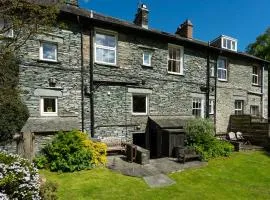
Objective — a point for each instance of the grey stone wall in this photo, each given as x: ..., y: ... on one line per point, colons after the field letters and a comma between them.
x: 238, y: 87
x: 35, y: 73
x: 171, y: 94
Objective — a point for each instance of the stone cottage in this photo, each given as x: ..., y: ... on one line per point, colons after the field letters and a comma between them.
x: 107, y: 76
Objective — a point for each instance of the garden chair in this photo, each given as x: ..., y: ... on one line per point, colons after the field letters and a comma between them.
x: 241, y: 138
x: 232, y: 136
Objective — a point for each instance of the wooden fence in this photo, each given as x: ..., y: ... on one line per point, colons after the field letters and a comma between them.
x: 254, y: 129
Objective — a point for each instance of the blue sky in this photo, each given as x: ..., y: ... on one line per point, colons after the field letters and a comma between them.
x: 241, y: 19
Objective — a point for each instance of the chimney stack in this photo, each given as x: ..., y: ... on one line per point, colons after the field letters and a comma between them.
x: 141, y: 18
x: 185, y: 30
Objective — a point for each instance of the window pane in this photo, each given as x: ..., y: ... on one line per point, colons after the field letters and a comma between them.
x: 196, y: 107
x: 170, y: 66
x: 99, y: 54
x: 224, y: 42
x: 233, y: 45
x: 49, y: 51
x: 49, y: 105
x: 221, y: 63
x: 146, y: 58
x: 254, y: 110
x: 178, y: 54
x: 170, y: 53
x: 111, y: 56
x: 105, y: 55
x: 105, y: 40
x: 255, y: 70
x: 139, y: 104
x: 229, y: 44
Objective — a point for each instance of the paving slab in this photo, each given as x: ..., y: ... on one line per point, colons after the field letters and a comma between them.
x: 155, y: 167
x: 159, y: 180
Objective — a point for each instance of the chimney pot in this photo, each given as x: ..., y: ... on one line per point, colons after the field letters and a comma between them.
x: 141, y: 18
x: 185, y: 30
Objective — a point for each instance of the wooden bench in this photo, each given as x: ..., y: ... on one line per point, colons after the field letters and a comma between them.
x: 114, y: 143
x: 186, y: 153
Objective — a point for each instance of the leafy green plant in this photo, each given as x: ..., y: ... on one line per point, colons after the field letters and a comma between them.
x: 48, y: 191
x: 71, y: 151
x: 200, y: 134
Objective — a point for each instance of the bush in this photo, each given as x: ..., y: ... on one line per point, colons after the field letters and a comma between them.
x: 71, y: 151
x: 200, y: 135
x: 14, y: 112
x: 19, y: 179
x: 48, y: 191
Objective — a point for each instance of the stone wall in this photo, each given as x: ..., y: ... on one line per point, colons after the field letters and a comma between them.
x: 238, y: 87
x: 35, y: 73
x: 170, y: 94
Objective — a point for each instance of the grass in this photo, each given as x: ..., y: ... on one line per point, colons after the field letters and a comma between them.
x: 244, y: 175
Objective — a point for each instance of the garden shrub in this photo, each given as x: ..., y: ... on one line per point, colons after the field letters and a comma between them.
x: 19, y: 178
x: 48, y: 191
x: 200, y: 135
x: 71, y: 151
x: 13, y: 111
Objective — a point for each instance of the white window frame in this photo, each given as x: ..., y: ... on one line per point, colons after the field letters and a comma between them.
x: 150, y: 58
x: 106, y: 32
x: 211, y: 106
x: 253, y: 106
x: 201, y: 101
x: 239, y: 109
x: 225, y: 40
x: 226, y: 68
x: 10, y: 33
x: 181, y: 61
x: 256, y: 75
x: 41, y: 53
x: 49, y: 114
x: 146, y: 104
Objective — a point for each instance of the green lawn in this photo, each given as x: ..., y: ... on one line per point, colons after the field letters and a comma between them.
x: 242, y: 176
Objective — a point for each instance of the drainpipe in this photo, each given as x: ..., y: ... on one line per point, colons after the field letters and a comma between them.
x: 207, y: 81
x: 262, y: 90
x: 215, y: 104
x: 82, y: 73
x: 91, y: 72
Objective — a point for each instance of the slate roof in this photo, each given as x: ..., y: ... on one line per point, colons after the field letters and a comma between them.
x: 92, y: 15
x: 170, y: 122
x: 53, y: 124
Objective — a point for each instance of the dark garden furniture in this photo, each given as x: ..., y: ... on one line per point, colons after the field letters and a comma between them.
x: 186, y: 153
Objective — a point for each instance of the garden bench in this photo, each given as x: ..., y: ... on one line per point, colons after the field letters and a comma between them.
x: 113, y: 143
x: 186, y: 153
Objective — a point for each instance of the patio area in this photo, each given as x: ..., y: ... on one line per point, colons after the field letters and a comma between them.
x: 156, y: 166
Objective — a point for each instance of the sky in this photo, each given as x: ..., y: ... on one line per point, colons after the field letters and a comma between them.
x: 240, y: 19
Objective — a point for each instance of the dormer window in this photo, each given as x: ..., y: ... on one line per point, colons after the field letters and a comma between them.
x: 229, y: 43
x: 225, y: 42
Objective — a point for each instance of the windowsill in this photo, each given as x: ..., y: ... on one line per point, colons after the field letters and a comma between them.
x: 147, y: 66
x: 48, y: 61
x: 256, y: 85
x: 49, y: 115
x: 54, y: 88
x: 106, y: 64
x: 223, y: 80
x: 175, y: 73
x: 139, y: 114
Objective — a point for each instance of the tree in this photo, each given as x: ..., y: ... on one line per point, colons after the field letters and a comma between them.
x: 25, y: 18
x: 261, y: 47
x: 19, y: 21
